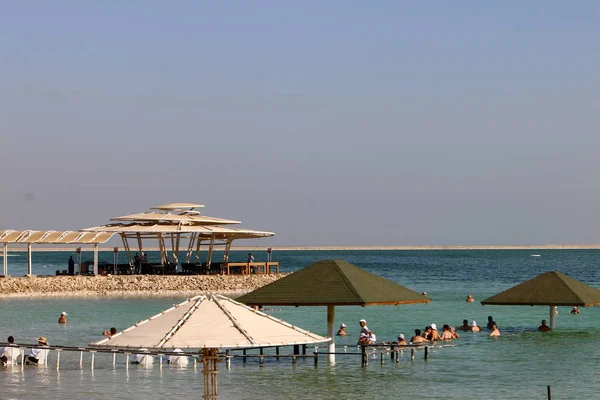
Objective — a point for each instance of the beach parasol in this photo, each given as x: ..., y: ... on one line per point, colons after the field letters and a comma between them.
x: 332, y: 283
x: 210, y: 323
x: 549, y: 289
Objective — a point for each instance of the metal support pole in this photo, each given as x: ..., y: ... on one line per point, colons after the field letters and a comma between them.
x: 114, y: 359
x: 227, y: 359
x: 330, y: 333
x: 210, y: 250
x: 95, y: 259
x: 5, y: 259
x: 277, y: 352
x: 81, y: 359
x: 57, y: 359
x: 29, y: 259
x: 552, y: 317
x: 127, y: 363
x: 93, y: 357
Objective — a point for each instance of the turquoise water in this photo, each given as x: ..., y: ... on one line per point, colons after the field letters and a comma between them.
x: 520, y: 364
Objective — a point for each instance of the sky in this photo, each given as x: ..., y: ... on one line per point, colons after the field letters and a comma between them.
x: 329, y: 123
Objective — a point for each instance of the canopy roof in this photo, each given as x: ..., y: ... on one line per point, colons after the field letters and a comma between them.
x: 332, y: 282
x: 549, y: 289
x: 154, y: 229
x: 190, y: 217
x: 54, y: 237
x: 177, y: 206
x: 210, y: 322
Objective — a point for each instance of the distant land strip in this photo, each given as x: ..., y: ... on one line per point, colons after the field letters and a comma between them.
x: 343, y: 248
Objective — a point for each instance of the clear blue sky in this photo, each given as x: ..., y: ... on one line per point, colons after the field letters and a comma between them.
x: 327, y: 122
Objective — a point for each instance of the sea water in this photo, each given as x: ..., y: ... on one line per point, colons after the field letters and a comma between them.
x: 519, y: 364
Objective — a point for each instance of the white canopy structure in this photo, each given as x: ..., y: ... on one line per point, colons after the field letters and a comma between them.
x: 30, y: 237
x: 210, y: 323
x: 177, y: 222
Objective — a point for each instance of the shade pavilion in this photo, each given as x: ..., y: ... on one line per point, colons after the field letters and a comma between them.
x: 181, y: 224
x: 30, y: 237
x: 332, y: 283
x: 549, y: 289
x: 210, y: 323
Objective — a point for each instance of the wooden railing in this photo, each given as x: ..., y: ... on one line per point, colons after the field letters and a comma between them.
x: 257, y: 267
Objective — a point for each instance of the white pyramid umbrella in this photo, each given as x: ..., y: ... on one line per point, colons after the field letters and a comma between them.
x: 210, y: 323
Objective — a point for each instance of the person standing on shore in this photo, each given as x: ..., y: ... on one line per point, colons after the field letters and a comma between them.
x: 63, y: 318
x: 71, y: 269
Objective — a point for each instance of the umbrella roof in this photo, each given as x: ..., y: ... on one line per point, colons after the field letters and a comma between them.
x: 189, y: 217
x: 549, y: 289
x: 210, y: 322
x: 332, y: 282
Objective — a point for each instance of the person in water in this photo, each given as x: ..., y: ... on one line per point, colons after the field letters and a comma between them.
x: 575, y: 310
x: 446, y: 334
x: 470, y: 298
x: 401, y: 340
x: 474, y: 327
x: 543, y: 327
x: 342, y: 330
x: 465, y: 326
x: 418, y: 338
x: 495, y: 331
x: 111, y: 333
x: 63, y: 318
x: 491, y: 323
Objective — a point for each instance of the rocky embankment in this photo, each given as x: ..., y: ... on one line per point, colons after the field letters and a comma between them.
x: 132, y: 285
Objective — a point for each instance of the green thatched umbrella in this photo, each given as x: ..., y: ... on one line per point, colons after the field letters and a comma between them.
x: 549, y: 289
x: 332, y: 283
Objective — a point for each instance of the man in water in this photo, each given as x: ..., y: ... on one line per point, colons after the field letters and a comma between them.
x: 418, y: 338
x: 10, y: 354
x: 474, y: 327
x: 491, y: 323
x: 575, y: 310
x: 465, y: 326
x: 543, y: 327
x: 470, y: 299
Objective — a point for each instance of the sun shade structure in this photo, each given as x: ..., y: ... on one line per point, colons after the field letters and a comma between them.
x: 332, y: 283
x: 177, y: 223
x: 549, y: 289
x: 30, y: 237
x: 210, y: 323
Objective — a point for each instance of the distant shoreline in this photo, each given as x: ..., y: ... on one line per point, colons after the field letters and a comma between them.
x: 346, y: 248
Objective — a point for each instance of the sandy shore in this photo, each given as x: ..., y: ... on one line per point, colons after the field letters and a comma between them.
x: 351, y: 248
x: 132, y: 285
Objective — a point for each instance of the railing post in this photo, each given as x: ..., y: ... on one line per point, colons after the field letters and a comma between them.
x: 277, y: 352
x: 227, y: 359
x: 412, y: 354
x: 244, y: 352
x: 262, y: 359
x: 57, y: 359
x: 426, y: 356
x: 316, y: 353
x: 365, y: 359
x: 392, y: 352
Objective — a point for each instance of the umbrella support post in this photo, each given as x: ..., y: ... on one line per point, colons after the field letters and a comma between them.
x: 330, y: 333
x: 277, y: 352
x: 303, y: 349
x: 244, y: 353
x: 552, y: 317
x: 316, y: 354
x: 228, y: 359
x: 210, y: 371
x: 296, y: 349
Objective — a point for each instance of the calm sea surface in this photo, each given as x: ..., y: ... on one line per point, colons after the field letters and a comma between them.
x: 520, y: 364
